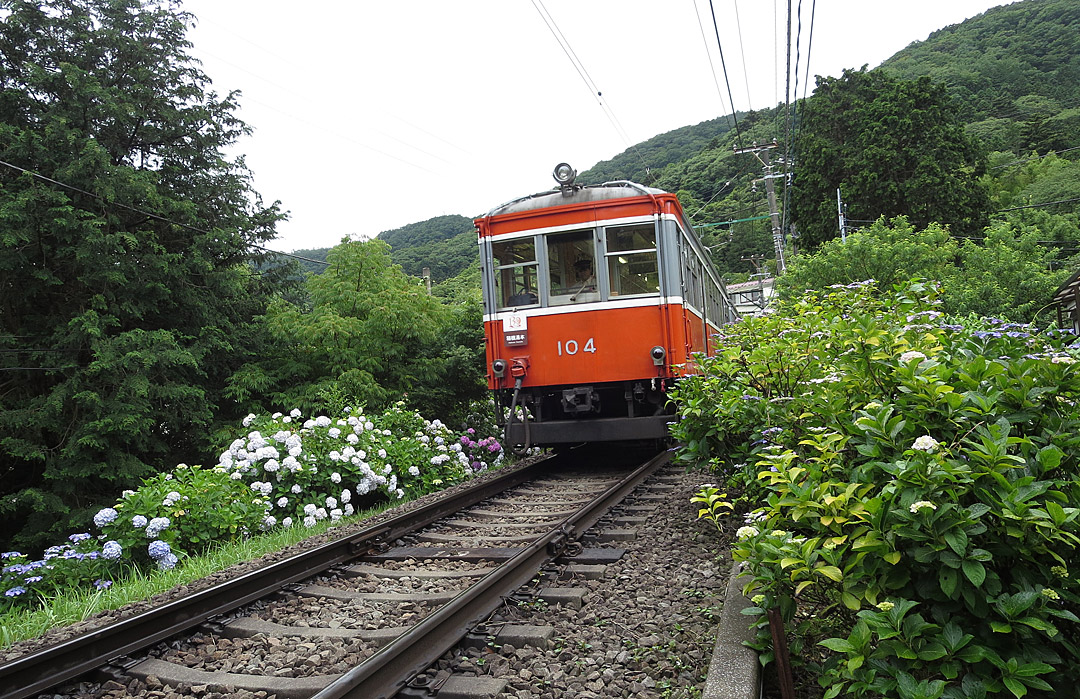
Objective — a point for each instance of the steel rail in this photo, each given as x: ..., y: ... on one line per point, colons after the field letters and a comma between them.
x: 384, y: 674
x: 40, y: 671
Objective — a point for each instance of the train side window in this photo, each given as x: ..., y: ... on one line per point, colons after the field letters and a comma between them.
x: 572, y: 266
x: 631, y: 260
x: 515, y: 272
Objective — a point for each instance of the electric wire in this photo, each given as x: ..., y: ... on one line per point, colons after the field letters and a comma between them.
x: 708, y: 54
x: 723, y: 64
x: 146, y: 213
x: 809, y: 46
x: 564, y: 44
x: 1035, y: 206
x: 742, y: 54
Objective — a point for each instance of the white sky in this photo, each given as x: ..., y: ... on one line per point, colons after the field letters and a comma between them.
x: 371, y: 115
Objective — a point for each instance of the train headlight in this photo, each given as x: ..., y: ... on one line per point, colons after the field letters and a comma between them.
x: 564, y: 174
x: 498, y: 368
x: 658, y: 353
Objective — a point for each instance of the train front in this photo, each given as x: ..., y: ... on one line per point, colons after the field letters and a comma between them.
x: 583, y: 315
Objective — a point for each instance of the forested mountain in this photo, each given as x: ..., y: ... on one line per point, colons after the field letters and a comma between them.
x: 445, y: 244
x: 1012, y: 73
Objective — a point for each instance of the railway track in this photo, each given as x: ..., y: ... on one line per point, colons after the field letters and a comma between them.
x: 365, y: 615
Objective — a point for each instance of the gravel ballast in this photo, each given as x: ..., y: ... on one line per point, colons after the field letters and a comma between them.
x: 646, y: 628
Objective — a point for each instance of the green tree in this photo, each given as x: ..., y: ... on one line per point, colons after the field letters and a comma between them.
x: 889, y: 252
x: 127, y: 292
x: 370, y: 333
x: 1006, y: 272
x: 894, y: 147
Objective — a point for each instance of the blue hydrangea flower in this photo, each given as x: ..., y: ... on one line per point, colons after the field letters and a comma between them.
x: 158, y: 549
x: 76, y: 538
x: 138, y: 521
x: 105, y: 516
x: 156, y: 526
x: 112, y: 550
x: 15, y: 591
x: 168, y: 561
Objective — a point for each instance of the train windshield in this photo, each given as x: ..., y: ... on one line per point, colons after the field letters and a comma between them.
x: 631, y: 260
x: 571, y: 259
x: 515, y: 272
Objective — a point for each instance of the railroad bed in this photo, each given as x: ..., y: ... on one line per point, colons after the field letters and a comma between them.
x: 520, y: 595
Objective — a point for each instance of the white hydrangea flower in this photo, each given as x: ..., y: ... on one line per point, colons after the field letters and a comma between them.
x: 926, y: 443
x: 911, y: 356
x: 309, y: 521
x: 283, y: 501
x: 287, y: 522
x: 295, y: 412
x: 922, y: 505
x: 746, y: 532
x: 346, y: 495
x: 309, y: 509
x: 296, y: 489
x: 414, y: 471
x: 335, y: 477
x: 334, y: 433
x: 331, y: 502
x: 351, y: 438
x: 246, y: 422
x: 322, y: 421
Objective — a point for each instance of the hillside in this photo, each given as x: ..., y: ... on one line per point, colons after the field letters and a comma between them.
x: 1013, y: 73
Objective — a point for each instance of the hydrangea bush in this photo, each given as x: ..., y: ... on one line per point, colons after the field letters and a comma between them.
x: 82, y: 561
x: 908, y: 488
x: 315, y: 469
x: 283, y: 471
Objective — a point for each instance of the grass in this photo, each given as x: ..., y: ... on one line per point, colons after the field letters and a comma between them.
x: 72, y: 606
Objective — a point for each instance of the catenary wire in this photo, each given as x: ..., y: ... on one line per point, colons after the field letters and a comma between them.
x: 723, y: 64
x: 146, y: 213
x: 564, y: 44
x: 708, y: 54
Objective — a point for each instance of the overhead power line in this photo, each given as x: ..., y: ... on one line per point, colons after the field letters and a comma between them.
x: 1035, y: 206
x: 579, y: 66
x: 145, y: 213
x: 723, y: 64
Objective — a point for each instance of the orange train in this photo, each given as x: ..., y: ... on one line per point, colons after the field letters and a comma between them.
x: 596, y: 298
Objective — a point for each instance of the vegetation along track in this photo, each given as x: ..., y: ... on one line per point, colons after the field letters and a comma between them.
x: 357, y: 617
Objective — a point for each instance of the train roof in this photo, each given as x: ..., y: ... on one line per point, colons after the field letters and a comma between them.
x: 576, y: 194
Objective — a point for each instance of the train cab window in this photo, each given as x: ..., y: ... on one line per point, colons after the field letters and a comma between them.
x: 515, y: 273
x: 631, y: 260
x: 572, y: 267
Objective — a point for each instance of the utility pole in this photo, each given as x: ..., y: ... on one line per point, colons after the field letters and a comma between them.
x: 770, y: 190
x: 840, y: 215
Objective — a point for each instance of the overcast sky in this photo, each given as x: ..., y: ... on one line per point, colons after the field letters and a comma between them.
x: 371, y: 115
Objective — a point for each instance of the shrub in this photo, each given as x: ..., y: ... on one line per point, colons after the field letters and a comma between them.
x: 79, y: 562
x: 910, y: 483
x: 283, y: 471
x: 181, y: 512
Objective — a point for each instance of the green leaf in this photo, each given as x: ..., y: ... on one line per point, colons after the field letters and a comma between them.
x: 957, y: 541
x: 1001, y: 627
x: 831, y: 572
x: 838, y: 644
x: 975, y: 572
x: 1015, y: 686
x: 948, y: 580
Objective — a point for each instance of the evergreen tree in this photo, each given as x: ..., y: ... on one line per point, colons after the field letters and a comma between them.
x: 894, y: 147
x: 127, y: 284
